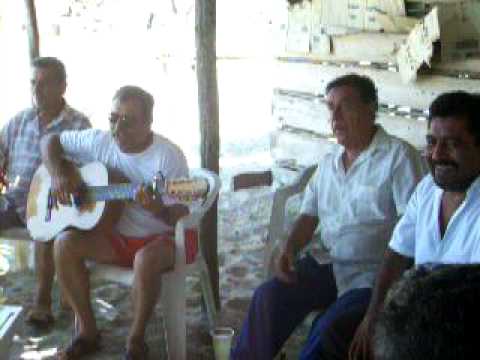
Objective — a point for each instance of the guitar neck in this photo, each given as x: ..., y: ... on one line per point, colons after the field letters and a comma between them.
x: 185, y: 190
x: 113, y: 192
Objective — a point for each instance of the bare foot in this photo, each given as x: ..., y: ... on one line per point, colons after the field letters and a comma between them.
x: 136, y: 350
x: 79, y: 347
x: 40, y: 316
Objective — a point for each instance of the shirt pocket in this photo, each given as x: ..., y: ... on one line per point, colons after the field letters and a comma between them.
x: 370, y: 204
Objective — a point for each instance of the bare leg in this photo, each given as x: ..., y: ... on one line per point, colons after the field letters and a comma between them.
x: 72, y: 248
x: 41, y: 314
x: 150, y: 262
x: 73, y: 278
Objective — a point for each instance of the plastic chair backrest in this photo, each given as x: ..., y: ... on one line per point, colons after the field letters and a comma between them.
x: 276, y: 229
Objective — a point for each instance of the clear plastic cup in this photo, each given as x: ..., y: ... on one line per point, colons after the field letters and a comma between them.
x: 222, y: 342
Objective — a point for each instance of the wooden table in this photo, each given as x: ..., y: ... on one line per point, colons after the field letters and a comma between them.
x: 9, y: 323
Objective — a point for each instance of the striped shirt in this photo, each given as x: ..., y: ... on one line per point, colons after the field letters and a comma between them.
x: 20, y: 148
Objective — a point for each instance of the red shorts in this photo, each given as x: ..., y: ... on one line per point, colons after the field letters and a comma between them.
x: 126, y: 246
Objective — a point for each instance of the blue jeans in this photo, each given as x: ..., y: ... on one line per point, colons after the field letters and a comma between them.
x: 278, y: 308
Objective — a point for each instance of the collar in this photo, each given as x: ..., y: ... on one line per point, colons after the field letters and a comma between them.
x: 61, y: 116
x: 472, y: 192
x: 379, y: 142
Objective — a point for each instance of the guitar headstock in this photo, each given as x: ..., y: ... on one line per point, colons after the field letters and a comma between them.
x: 183, y: 189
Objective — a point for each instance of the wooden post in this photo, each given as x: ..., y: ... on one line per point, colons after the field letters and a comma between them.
x: 205, y: 27
x: 32, y: 28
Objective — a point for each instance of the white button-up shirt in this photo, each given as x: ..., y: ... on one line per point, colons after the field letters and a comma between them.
x: 418, y: 234
x: 358, y: 209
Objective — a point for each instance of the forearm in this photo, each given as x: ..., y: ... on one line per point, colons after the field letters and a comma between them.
x: 302, y: 233
x: 53, y: 155
x: 393, y: 266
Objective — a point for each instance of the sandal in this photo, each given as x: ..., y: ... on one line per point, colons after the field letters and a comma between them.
x: 140, y: 353
x: 79, y: 347
x: 40, y: 319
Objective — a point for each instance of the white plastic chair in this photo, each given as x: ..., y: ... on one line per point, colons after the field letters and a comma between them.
x: 173, y: 294
x: 276, y: 229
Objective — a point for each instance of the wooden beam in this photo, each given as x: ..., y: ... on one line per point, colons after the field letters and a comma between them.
x: 205, y: 30
x: 373, y: 47
x: 252, y: 179
x: 32, y: 29
x: 471, y: 65
x: 313, y: 78
x: 309, y: 113
x: 295, y: 148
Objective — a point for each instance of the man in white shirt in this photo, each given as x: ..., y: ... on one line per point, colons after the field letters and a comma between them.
x: 440, y: 225
x: 136, y: 234
x: 356, y: 196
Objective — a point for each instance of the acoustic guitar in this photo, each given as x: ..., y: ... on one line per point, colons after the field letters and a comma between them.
x: 44, y: 221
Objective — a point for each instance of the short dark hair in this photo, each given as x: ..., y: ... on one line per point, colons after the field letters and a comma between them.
x: 425, y: 310
x: 458, y: 104
x: 52, y: 63
x: 363, y: 84
x: 135, y: 92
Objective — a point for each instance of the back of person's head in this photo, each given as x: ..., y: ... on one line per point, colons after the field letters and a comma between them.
x: 362, y: 84
x: 430, y: 315
x: 129, y: 92
x: 458, y: 104
x: 53, y: 64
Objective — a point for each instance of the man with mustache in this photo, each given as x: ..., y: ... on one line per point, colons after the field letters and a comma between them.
x: 440, y: 225
x: 20, y: 157
x: 134, y: 234
x: 357, y: 195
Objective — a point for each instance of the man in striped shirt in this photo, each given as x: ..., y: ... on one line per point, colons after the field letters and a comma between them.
x: 20, y: 157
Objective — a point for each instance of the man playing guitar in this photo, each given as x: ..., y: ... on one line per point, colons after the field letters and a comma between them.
x: 134, y: 234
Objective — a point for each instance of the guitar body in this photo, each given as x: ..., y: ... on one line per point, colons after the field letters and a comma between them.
x: 44, y: 223
x: 84, y: 217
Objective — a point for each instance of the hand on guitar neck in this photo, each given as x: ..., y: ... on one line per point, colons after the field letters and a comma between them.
x: 149, y: 201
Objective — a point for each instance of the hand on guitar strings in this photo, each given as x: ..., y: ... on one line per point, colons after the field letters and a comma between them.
x: 66, y: 181
x: 145, y: 197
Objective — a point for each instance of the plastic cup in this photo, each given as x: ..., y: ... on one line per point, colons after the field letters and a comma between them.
x: 222, y: 342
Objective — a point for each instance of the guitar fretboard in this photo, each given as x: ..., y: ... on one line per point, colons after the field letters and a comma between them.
x: 113, y: 192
